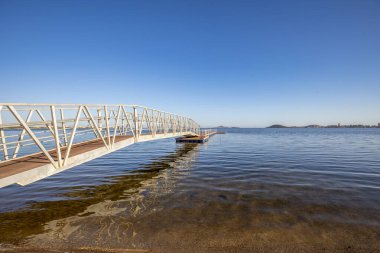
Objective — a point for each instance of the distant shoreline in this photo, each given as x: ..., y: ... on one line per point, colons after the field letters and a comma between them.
x: 309, y: 126
x: 328, y: 126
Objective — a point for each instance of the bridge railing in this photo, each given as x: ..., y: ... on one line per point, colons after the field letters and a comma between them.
x: 27, y: 129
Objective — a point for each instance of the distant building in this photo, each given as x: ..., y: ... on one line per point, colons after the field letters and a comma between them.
x: 338, y: 124
x: 378, y: 124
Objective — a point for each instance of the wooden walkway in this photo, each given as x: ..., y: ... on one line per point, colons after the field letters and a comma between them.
x: 23, y: 164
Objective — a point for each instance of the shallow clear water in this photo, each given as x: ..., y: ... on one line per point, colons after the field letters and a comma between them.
x: 249, y: 189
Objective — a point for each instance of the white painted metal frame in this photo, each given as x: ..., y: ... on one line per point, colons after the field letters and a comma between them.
x: 55, y: 128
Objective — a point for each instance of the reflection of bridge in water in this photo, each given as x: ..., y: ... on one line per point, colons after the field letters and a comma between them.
x: 39, y: 140
x: 101, y: 214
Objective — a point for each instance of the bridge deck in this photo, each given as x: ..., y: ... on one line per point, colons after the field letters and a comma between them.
x: 23, y: 164
x: 36, y: 125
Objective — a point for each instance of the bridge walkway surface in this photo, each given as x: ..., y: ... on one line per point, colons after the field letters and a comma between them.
x: 39, y: 140
x: 23, y: 164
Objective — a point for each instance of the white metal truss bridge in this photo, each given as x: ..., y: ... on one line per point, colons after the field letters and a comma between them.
x: 39, y: 140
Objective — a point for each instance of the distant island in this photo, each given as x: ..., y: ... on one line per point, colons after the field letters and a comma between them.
x: 328, y: 126
x: 277, y: 126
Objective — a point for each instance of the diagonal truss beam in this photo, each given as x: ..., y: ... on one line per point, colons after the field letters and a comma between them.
x: 96, y: 127
x: 31, y: 134
x: 45, y: 121
x: 128, y: 121
x: 15, y: 152
x: 72, y: 135
x: 116, y: 124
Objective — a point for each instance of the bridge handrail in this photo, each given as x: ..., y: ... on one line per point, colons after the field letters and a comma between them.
x: 54, y: 127
x: 90, y: 105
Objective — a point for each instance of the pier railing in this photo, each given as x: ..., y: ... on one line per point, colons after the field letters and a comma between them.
x: 27, y: 129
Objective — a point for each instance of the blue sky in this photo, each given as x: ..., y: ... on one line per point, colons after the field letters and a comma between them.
x: 234, y: 63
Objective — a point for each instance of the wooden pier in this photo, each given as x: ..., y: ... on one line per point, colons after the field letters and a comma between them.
x: 202, y: 138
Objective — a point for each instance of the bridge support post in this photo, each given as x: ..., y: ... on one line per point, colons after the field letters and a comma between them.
x: 100, y: 119
x: 2, y: 137
x: 63, y: 127
x: 107, y: 125
x: 56, y: 135
x: 136, y: 122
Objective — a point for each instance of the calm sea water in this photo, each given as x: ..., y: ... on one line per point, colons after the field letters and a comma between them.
x: 266, y: 190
